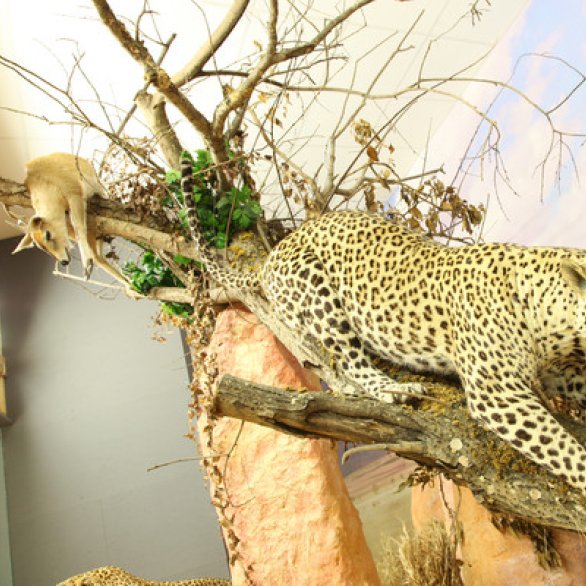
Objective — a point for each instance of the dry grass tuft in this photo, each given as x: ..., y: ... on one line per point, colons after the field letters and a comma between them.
x: 426, y: 558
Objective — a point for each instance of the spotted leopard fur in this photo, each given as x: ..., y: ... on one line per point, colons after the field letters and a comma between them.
x: 113, y: 576
x: 509, y: 321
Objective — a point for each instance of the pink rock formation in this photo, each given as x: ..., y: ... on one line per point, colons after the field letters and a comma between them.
x: 493, y: 558
x: 292, y: 512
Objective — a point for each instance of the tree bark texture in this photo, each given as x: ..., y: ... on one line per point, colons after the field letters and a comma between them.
x: 435, y: 433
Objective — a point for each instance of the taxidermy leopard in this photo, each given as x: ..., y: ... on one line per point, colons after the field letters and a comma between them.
x: 113, y: 576
x: 509, y: 321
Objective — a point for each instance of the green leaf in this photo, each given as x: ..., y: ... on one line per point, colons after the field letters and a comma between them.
x: 204, y: 159
x: 243, y: 221
x: 224, y: 201
x: 182, y: 260
x: 207, y: 218
x: 186, y: 154
x: 244, y: 194
x: 254, y: 206
x: 220, y: 240
x: 179, y: 309
x: 182, y: 216
x: 172, y: 176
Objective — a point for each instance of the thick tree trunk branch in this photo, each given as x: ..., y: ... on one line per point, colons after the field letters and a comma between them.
x: 154, y: 110
x: 445, y: 438
x: 13, y: 188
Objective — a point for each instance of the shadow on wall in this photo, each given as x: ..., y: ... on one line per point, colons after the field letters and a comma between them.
x: 95, y: 402
x: 23, y: 277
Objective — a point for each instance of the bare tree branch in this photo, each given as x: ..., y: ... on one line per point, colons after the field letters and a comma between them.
x: 195, y: 65
x: 306, y: 48
x: 129, y: 114
x: 161, y: 80
x: 236, y: 98
x: 271, y: 57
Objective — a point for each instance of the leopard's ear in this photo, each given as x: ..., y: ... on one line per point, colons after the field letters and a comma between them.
x: 575, y: 275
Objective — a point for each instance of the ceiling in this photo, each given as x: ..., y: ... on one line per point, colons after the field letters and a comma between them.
x: 59, y: 30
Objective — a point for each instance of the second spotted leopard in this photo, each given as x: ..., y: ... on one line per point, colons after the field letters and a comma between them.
x: 510, y: 321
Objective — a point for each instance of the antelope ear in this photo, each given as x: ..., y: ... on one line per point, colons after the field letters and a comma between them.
x: 575, y: 275
x: 35, y: 223
x: 26, y: 242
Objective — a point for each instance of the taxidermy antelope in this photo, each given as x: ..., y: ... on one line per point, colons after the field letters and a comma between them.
x: 60, y: 185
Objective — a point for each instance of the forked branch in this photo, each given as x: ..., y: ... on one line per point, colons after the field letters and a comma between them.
x: 195, y: 65
x: 160, y: 79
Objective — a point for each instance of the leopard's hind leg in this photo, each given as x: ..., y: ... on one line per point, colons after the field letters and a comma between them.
x: 303, y: 297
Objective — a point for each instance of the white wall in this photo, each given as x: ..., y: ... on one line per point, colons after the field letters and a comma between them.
x: 95, y: 401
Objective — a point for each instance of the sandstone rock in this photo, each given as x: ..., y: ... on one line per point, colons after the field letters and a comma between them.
x: 292, y: 512
x: 493, y: 558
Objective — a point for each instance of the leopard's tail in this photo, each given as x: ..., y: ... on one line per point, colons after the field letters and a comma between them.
x: 223, y: 275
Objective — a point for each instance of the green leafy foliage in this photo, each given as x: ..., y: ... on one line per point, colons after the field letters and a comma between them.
x: 179, y: 309
x: 150, y: 272
x: 221, y: 216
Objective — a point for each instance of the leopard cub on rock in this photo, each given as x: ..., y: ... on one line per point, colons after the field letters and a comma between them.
x: 509, y: 321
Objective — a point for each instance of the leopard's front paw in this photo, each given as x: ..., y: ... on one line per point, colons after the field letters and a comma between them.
x: 401, y: 393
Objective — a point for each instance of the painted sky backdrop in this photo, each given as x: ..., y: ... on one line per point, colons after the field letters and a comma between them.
x: 542, y: 205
